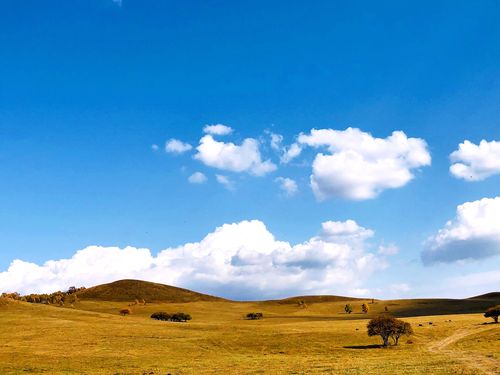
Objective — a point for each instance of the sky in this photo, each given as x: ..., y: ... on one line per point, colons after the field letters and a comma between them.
x: 251, y: 149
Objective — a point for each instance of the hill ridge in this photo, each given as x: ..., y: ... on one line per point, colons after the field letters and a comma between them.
x: 130, y: 289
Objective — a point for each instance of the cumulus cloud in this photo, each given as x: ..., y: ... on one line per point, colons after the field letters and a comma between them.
x: 197, y: 178
x: 287, y: 185
x: 217, y: 129
x: 473, y: 162
x: 177, y: 147
x: 474, y: 233
x: 360, y: 166
x: 240, y: 260
x: 231, y: 157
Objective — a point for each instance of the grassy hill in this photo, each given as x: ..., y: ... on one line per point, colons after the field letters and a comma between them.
x: 313, y: 299
x: 488, y: 296
x: 93, y: 338
x: 130, y: 290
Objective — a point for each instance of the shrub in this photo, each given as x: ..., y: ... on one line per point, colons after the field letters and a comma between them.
x: 493, y: 312
x: 124, y: 312
x: 161, y: 315
x: 255, y: 316
x: 348, y: 308
x: 387, y: 326
x: 180, y: 317
x: 177, y: 317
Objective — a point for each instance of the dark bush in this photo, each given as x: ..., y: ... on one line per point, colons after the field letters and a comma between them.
x: 493, y: 313
x: 180, y: 317
x: 161, y: 315
x: 177, y: 317
x: 125, y: 312
x: 254, y: 316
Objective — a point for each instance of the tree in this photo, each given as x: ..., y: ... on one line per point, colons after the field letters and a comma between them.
x: 364, y: 308
x: 493, y: 312
x: 255, y: 316
x: 387, y: 326
x: 401, y: 328
x: 348, y: 308
x: 71, y: 290
x: 180, y: 317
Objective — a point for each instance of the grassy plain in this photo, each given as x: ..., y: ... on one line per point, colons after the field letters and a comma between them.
x: 320, y: 339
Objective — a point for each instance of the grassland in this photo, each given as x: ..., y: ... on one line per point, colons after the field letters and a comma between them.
x: 319, y: 339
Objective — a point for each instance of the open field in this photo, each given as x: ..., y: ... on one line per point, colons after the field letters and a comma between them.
x: 93, y: 338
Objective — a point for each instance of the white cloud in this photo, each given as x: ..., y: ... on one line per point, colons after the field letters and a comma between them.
x: 217, y: 129
x: 225, y: 181
x: 241, y: 260
x: 360, y: 166
x: 235, y: 158
x: 287, y: 185
x: 276, y: 140
x: 177, y: 147
x: 473, y: 162
x: 287, y: 153
x: 290, y: 153
x: 388, y: 250
x: 197, y: 178
x: 155, y: 147
x: 473, y: 234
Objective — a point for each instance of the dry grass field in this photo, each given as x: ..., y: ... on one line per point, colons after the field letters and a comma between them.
x: 92, y: 338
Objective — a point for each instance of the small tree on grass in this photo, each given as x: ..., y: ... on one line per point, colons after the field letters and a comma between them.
x: 161, y: 315
x: 364, y: 308
x: 386, y: 327
x: 401, y: 328
x: 124, y: 312
x: 493, y: 312
x: 255, y: 316
x: 180, y: 317
x: 177, y: 317
x: 348, y: 308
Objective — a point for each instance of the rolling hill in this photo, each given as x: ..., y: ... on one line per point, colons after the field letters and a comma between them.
x: 129, y: 290
x: 488, y: 296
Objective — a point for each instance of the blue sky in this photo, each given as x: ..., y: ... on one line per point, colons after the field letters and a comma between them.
x: 88, y: 87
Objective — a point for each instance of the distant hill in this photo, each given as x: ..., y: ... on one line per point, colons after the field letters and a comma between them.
x: 313, y: 299
x: 492, y: 296
x: 129, y: 290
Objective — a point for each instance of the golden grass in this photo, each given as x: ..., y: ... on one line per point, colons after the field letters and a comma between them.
x: 321, y: 339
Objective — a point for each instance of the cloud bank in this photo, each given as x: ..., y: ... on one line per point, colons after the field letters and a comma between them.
x: 473, y: 234
x: 360, y: 166
x: 473, y: 162
x: 240, y: 260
